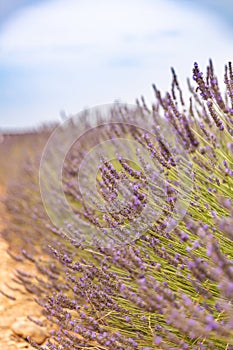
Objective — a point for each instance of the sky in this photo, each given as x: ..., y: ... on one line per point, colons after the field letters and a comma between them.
x: 67, y: 55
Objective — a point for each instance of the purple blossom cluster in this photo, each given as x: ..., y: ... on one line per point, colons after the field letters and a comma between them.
x: 166, y: 289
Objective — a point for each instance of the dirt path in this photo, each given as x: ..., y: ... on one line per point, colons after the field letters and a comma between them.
x: 14, y: 314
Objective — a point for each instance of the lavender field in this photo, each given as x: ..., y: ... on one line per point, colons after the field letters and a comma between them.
x: 145, y: 261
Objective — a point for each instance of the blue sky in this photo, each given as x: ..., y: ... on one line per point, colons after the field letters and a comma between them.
x: 70, y: 54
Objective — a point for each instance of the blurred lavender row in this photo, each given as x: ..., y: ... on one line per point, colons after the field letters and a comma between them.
x: 164, y: 289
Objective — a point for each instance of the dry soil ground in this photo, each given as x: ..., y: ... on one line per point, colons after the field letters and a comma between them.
x: 14, y: 322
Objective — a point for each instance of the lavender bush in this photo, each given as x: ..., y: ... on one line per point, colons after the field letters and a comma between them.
x: 164, y: 289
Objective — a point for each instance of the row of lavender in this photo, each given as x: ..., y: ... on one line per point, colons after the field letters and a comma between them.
x: 165, y: 289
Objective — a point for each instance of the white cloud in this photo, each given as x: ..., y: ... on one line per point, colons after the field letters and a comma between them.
x: 67, y: 23
x: 77, y: 53
x: 70, y: 30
